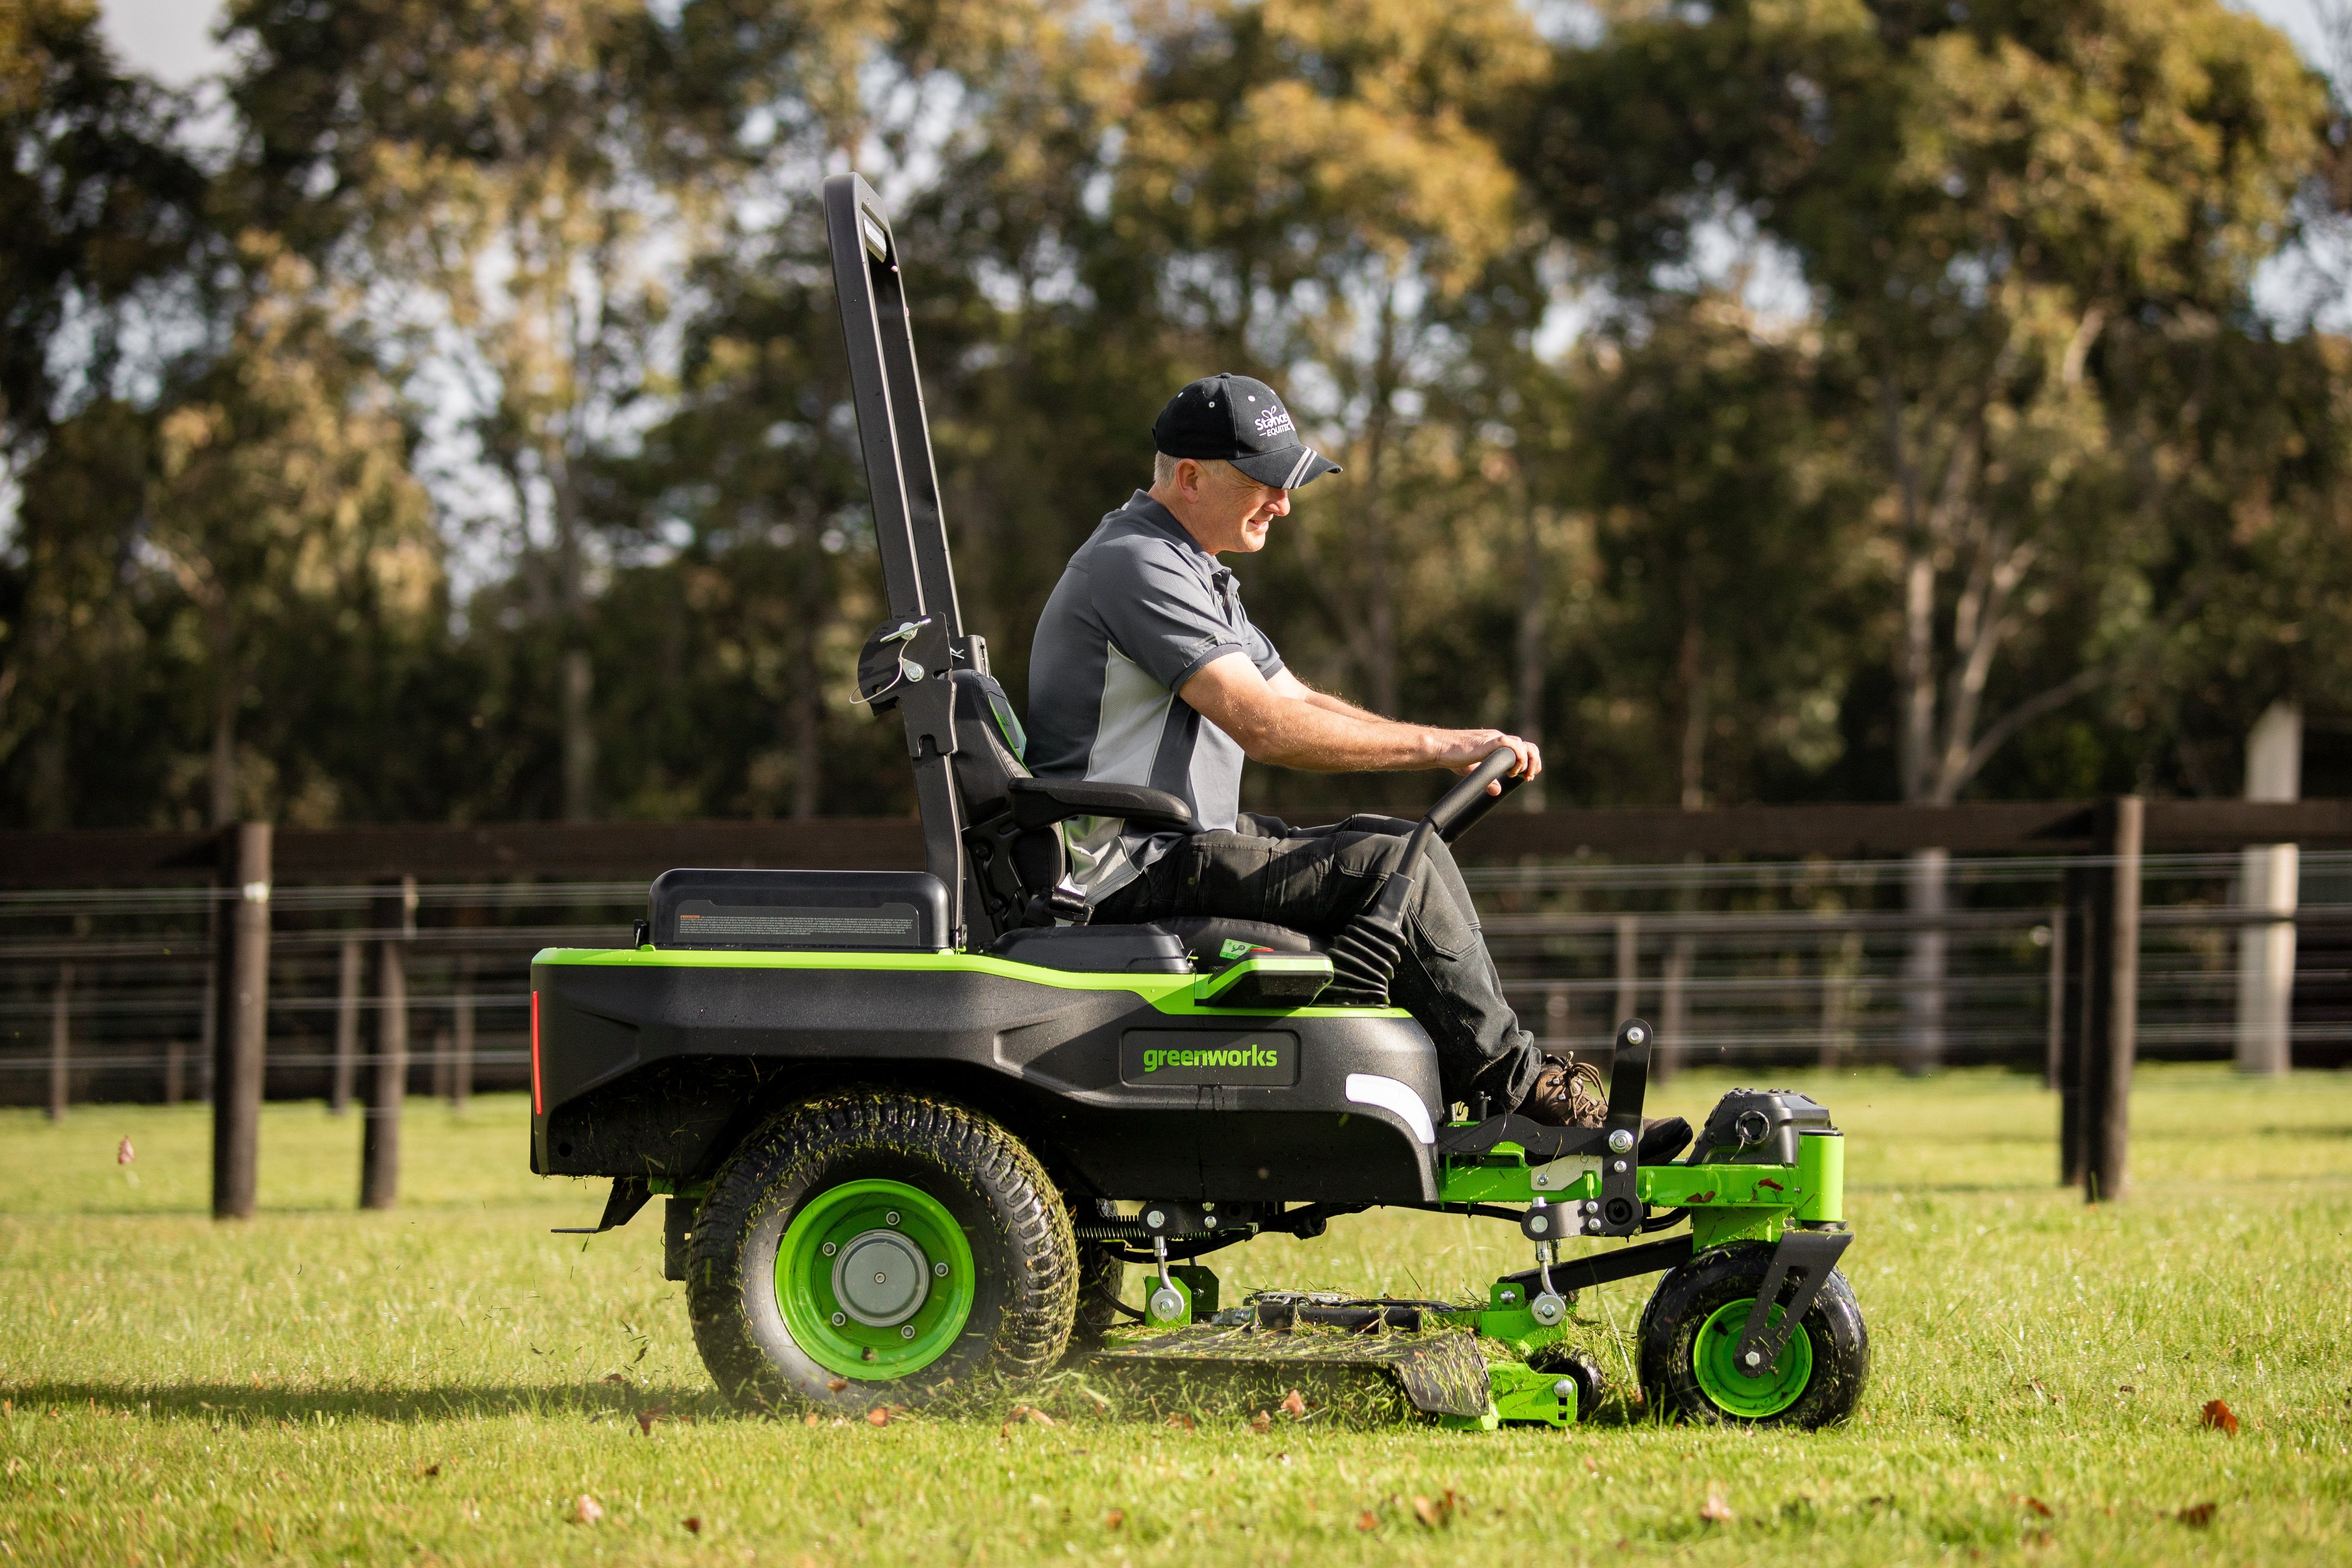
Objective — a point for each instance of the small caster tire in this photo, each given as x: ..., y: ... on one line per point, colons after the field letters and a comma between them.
x: 1696, y: 1318
x: 1578, y: 1368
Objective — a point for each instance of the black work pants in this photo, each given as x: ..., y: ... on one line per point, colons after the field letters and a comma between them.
x: 1314, y: 879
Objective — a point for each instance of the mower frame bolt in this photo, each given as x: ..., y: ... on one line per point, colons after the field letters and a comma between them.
x: 1563, y: 1391
x: 830, y: 1249
x: 890, y: 1218
x: 941, y: 1269
x: 1155, y: 1219
x: 1593, y: 1226
x: 907, y: 1332
x: 1754, y: 1358
x: 1620, y: 1141
x: 1619, y: 1167
x: 839, y: 1318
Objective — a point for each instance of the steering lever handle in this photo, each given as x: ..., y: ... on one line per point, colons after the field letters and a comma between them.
x: 1469, y: 801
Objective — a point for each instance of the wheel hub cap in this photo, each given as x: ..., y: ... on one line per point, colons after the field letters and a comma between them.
x: 881, y: 1277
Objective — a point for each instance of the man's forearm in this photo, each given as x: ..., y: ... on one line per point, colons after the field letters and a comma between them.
x: 1326, y: 735
x: 1345, y: 709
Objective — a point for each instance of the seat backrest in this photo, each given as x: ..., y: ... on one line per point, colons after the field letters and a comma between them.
x: 1021, y: 872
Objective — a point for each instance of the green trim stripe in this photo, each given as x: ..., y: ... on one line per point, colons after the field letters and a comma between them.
x: 1170, y: 994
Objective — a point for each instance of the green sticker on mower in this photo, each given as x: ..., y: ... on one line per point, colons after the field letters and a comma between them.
x: 1189, y: 1057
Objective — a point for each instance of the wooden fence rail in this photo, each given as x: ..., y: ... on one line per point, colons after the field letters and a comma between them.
x: 2096, y: 946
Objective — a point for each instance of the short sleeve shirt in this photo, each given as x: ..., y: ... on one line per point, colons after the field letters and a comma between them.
x: 1139, y: 610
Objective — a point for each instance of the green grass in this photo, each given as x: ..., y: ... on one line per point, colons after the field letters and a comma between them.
x: 319, y: 1386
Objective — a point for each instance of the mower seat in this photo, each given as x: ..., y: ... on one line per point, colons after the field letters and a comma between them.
x: 1022, y: 864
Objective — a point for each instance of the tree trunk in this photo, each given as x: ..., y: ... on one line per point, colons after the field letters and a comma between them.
x: 1927, y: 885
x: 579, y: 680
x: 1531, y: 645
x: 1690, y: 673
x: 1380, y: 610
x: 224, y: 754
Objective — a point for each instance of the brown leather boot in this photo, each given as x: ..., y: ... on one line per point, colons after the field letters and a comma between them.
x: 1566, y: 1094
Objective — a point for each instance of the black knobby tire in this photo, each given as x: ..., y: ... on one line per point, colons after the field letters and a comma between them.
x: 1559, y: 1360
x: 1686, y: 1298
x: 1025, y: 1286
x: 1102, y: 1277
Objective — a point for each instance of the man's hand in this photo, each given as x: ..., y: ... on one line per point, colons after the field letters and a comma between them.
x: 1478, y: 745
x: 1290, y: 725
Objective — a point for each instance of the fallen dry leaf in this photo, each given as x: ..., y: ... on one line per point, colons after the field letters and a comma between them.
x: 2218, y: 1416
x: 2198, y: 1516
x: 1182, y: 1422
x: 425, y: 1470
x: 124, y: 1154
x: 1293, y: 1404
x: 835, y: 1384
x: 1438, y: 1512
x: 1034, y: 1417
x: 693, y: 1523
x: 1593, y: 1464
x: 1367, y: 1520
x: 2038, y: 1506
x: 646, y: 1417
x: 812, y: 1419
x: 878, y: 1416
x: 1114, y: 1518
x: 620, y: 1377
x: 1261, y: 1422
x: 586, y: 1510
x: 1715, y: 1510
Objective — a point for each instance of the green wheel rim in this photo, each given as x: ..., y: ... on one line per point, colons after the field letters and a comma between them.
x: 860, y: 1281
x: 1720, y: 1379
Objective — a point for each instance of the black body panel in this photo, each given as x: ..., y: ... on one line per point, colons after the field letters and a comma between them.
x: 657, y: 1070
x: 1760, y: 1127
x: 798, y: 910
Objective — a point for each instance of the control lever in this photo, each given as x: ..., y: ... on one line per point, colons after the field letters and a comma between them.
x: 1364, y: 956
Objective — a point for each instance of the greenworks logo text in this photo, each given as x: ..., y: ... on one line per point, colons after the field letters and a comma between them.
x: 1252, y: 1054
x: 1196, y: 1059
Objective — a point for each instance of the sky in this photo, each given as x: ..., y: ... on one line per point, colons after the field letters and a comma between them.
x: 172, y: 39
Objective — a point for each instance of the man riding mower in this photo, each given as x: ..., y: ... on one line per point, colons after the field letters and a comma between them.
x: 913, y: 1126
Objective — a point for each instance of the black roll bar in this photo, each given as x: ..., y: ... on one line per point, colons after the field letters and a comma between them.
x: 917, y: 572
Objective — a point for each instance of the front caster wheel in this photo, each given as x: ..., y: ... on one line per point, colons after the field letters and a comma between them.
x: 874, y: 1248
x: 1693, y: 1322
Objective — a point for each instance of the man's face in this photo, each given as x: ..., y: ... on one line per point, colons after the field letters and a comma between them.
x: 1224, y: 514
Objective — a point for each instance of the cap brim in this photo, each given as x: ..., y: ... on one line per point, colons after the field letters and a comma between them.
x: 1287, y: 469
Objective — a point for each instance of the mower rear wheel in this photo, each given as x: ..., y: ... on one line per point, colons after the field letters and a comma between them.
x: 1695, y: 1320
x: 877, y: 1248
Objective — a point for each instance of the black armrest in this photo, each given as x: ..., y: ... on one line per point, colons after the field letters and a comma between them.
x: 1038, y: 802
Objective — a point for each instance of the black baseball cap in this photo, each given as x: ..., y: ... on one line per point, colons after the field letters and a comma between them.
x: 1241, y: 422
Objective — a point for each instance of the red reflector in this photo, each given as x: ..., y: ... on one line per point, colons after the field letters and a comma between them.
x: 538, y: 1095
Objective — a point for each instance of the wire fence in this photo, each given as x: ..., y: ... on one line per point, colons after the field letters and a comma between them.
x: 108, y: 996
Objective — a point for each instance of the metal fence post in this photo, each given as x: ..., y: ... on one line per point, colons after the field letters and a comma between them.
x: 1673, y: 1050
x: 347, y: 1026
x: 395, y: 923
x: 2071, y: 939
x: 60, y: 1042
x: 1628, y: 970
x: 240, y: 1030
x: 2110, y: 1027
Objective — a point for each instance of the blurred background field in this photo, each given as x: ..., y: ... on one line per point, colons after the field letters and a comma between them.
x: 445, y: 1380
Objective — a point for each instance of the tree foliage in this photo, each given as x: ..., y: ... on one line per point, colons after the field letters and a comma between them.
x: 1775, y: 399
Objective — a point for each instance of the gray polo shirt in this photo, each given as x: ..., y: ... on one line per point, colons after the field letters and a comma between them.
x: 1138, y: 610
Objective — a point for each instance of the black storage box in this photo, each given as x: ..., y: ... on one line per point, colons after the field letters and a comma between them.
x: 827, y: 910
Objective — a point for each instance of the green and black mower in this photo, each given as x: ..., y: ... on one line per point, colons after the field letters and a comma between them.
x: 913, y: 1128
